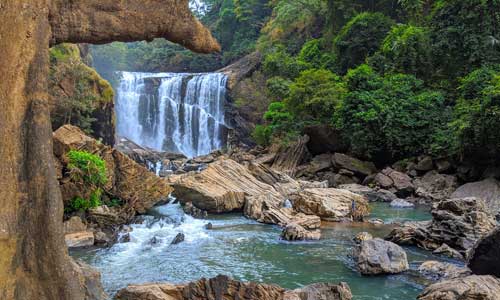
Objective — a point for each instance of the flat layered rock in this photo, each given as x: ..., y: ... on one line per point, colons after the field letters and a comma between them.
x: 79, y: 239
x: 467, y: 288
x: 332, y: 204
x: 223, y: 287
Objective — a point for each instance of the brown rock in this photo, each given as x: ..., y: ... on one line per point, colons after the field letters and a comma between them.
x: 436, y: 270
x: 353, y: 164
x: 332, y: 204
x: 435, y: 186
x: 459, y: 223
x: 425, y: 164
x: 79, y: 239
x: 127, y: 180
x: 73, y: 225
x: 223, y: 287
x: 383, y: 180
x: 295, y: 232
x: 470, y: 287
x: 401, y: 182
x: 289, y: 157
x: 90, y: 280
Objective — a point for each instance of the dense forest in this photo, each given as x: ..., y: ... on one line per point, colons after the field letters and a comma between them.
x: 397, y: 78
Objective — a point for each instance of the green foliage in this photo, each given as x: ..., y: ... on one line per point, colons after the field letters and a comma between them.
x: 389, y: 117
x: 465, y: 36
x: 81, y: 204
x: 278, y: 87
x: 314, y: 95
x: 316, y: 54
x: 278, y: 62
x: 78, y: 90
x: 360, y: 38
x: 477, y: 115
x: 406, y: 49
x: 88, y: 167
x: 262, y: 135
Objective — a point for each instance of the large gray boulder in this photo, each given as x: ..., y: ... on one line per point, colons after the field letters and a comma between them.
x: 487, y: 189
x: 401, y: 182
x: 376, y: 256
x: 467, y: 288
x: 485, y: 257
x: 435, y: 186
x: 436, y: 270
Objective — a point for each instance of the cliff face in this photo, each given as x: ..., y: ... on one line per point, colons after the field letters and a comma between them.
x: 34, y: 263
x: 79, y: 96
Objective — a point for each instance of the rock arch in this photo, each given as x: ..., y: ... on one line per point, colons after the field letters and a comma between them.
x: 34, y: 263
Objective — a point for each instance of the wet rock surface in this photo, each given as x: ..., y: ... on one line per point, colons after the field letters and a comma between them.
x: 435, y: 270
x: 376, y: 256
x: 466, y: 288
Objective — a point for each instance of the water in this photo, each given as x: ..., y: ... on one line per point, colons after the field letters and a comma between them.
x: 249, y: 251
x: 174, y: 112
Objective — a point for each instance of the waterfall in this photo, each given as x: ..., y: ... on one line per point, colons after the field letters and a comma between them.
x: 173, y: 112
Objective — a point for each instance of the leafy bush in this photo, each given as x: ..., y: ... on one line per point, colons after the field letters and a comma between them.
x: 392, y: 117
x: 88, y: 170
x: 407, y: 50
x: 278, y: 87
x: 360, y: 38
x: 317, y: 55
x: 87, y: 167
x: 465, y: 36
x: 262, y: 135
x: 279, y: 63
x: 477, y: 115
x: 314, y: 95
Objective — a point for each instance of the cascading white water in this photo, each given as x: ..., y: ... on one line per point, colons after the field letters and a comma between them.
x: 174, y: 112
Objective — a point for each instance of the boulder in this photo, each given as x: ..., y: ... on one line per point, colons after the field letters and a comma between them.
x: 79, y: 239
x: 376, y: 256
x: 373, y: 195
x: 485, y: 256
x: 332, y: 204
x: 319, y: 163
x: 295, y: 232
x: 401, y: 182
x: 487, y: 189
x: 448, y: 251
x: 443, y: 165
x: 179, y: 238
x: 435, y: 186
x: 128, y: 181
x: 363, y: 168
x: 401, y: 203
x: 459, y: 223
x: 467, y: 288
x: 222, y: 187
x: 89, y: 280
x: 223, y: 287
x: 73, y: 225
x: 320, y: 291
x: 435, y: 270
x: 383, y: 181
x: 291, y: 156
x: 424, y: 164
x: 340, y: 179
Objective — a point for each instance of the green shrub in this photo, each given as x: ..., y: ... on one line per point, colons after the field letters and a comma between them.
x: 477, y: 115
x: 360, y: 38
x: 314, y: 95
x: 278, y: 87
x: 279, y: 63
x: 262, y: 135
x: 81, y: 204
x: 317, y: 55
x: 407, y: 50
x: 395, y: 117
x: 87, y: 167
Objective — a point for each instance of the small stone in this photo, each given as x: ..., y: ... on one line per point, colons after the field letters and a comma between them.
x: 125, y: 238
x: 377, y: 256
x: 448, y: 251
x: 209, y: 226
x: 178, y: 238
x: 295, y: 232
